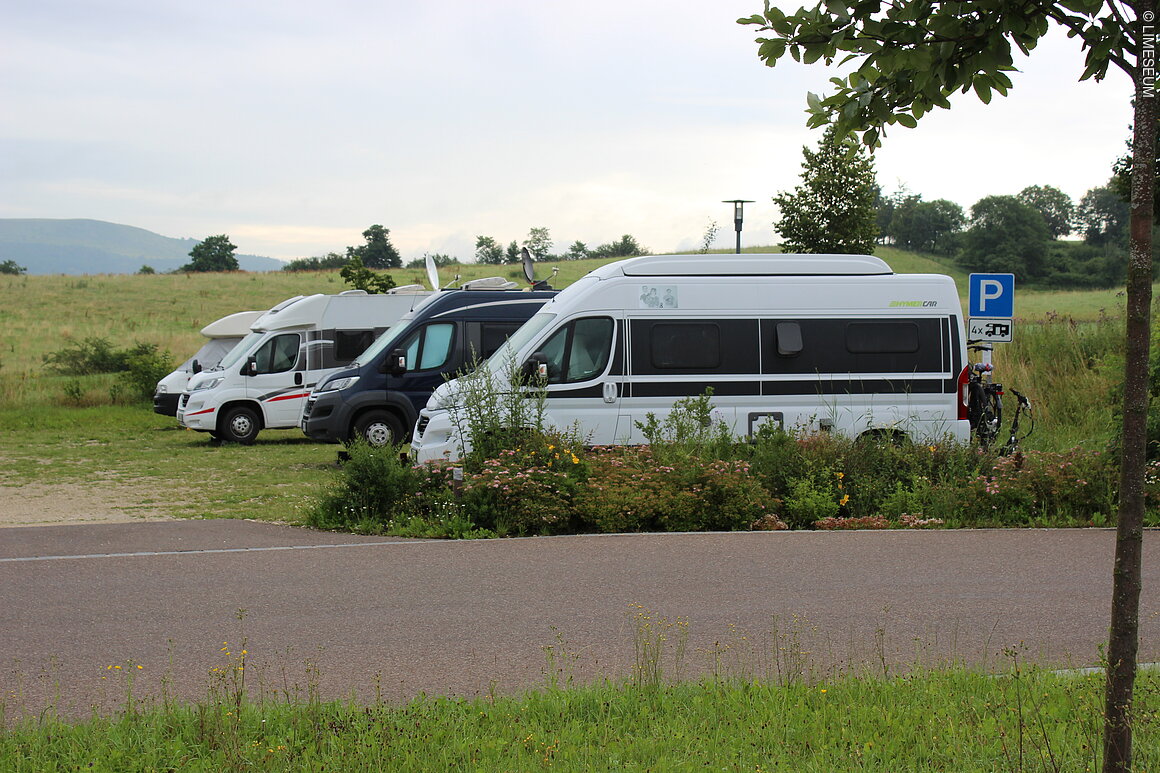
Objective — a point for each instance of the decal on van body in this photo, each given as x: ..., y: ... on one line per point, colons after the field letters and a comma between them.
x: 654, y: 297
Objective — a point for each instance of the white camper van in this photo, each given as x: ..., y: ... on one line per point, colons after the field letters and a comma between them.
x: 264, y: 380
x: 818, y: 342
x: 223, y: 335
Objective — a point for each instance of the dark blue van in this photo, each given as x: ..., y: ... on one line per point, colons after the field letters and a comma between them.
x: 379, y: 397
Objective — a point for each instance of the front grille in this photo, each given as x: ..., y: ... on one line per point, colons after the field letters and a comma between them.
x: 422, y: 426
x: 184, y: 399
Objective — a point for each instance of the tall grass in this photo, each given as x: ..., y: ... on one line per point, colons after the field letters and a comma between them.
x: 1021, y: 719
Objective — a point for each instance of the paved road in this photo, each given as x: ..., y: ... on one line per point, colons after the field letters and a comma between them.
x: 341, y: 613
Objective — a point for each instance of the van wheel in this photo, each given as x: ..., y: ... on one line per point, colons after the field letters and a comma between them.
x: 239, y: 425
x: 379, y: 429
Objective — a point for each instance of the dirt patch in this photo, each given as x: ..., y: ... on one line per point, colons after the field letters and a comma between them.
x: 38, y: 504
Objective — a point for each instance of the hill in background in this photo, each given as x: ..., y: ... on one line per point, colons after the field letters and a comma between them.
x: 46, y: 246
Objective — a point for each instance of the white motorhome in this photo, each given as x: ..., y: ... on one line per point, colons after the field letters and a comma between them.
x: 814, y: 342
x: 223, y: 335
x: 265, y: 379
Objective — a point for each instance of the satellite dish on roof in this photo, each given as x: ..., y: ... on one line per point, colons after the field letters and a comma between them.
x: 432, y: 273
x: 529, y: 265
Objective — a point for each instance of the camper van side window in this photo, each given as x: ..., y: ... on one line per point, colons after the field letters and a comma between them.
x: 485, y: 337
x: 881, y: 337
x: 579, y: 351
x: 279, y: 354
x: 429, y: 347
x: 349, y: 344
x: 686, y: 345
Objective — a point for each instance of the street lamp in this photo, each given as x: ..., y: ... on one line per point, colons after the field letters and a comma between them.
x: 738, y: 214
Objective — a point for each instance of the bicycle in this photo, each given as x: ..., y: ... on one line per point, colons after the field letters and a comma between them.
x: 1013, y: 439
x: 985, y: 406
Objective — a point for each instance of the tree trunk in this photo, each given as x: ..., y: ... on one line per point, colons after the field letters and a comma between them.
x: 1123, y: 636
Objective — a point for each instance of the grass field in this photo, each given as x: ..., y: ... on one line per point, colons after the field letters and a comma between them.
x: 46, y: 313
x: 946, y: 720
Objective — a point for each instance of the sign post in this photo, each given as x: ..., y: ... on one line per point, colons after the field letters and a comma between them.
x: 991, y: 310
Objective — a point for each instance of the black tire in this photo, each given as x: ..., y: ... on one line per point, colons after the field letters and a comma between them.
x: 379, y: 429
x: 990, y: 418
x: 240, y: 424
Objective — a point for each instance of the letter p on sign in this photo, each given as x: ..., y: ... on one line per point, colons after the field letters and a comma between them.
x: 992, y: 295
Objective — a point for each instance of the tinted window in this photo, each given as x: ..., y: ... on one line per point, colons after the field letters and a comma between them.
x: 881, y: 337
x: 578, y: 351
x: 349, y: 344
x: 685, y: 345
x: 279, y: 354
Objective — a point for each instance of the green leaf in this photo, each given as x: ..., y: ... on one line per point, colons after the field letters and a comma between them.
x: 906, y: 120
x: 983, y: 90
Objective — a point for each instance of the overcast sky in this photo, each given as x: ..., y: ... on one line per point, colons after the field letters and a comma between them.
x: 291, y: 126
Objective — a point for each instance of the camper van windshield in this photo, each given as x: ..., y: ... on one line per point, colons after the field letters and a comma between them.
x: 209, y: 355
x: 238, y: 352
x: 530, y: 329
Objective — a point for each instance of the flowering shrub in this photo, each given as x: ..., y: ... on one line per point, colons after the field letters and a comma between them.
x: 526, y: 490
x: 691, y: 479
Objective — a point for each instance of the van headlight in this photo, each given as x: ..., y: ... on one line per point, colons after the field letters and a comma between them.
x: 336, y: 384
x: 207, y: 384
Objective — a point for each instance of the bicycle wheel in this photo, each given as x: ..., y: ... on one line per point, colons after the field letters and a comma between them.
x: 990, y: 416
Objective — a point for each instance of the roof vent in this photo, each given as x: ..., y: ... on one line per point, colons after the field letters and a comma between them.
x: 489, y: 283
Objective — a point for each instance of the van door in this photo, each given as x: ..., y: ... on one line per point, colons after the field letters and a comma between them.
x: 582, y: 387
x: 275, y: 383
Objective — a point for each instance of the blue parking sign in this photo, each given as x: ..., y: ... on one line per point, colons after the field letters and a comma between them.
x: 992, y: 295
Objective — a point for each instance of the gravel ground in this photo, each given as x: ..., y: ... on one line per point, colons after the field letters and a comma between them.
x: 37, y: 504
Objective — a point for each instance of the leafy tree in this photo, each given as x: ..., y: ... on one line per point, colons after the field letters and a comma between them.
x: 921, y: 226
x: 216, y: 253
x: 146, y: 269
x: 358, y: 276
x: 578, y: 251
x: 539, y: 243
x: 1056, y: 207
x: 10, y: 267
x: 330, y: 262
x: 709, y: 237
x: 378, y: 252
x: 439, y: 259
x: 832, y: 211
x: 625, y: 247
x: 488, y: 251
x: 911, y: 56
x: 1102, y: 217
x: 1006, y: 235
x: 512, y: 253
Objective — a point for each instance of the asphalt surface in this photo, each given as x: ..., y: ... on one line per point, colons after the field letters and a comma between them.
x: 341, y: 615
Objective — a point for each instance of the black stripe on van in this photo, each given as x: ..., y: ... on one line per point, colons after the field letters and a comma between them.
x: 817, y: 386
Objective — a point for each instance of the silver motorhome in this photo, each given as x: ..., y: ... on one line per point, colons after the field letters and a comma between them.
x: 265, y: 379
x: 813, y: 342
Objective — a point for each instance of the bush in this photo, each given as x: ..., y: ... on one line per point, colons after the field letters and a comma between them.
x: 375, y: 487
x: 144, y: 366
x: 92, y: 355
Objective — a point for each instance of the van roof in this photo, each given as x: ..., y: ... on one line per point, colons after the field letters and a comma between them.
x: 750, y: 264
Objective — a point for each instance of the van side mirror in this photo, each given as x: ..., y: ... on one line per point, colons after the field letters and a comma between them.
x: 537, y: 366
x: 196, y: 367
x: 396, y: 363
x: 250, y: 368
